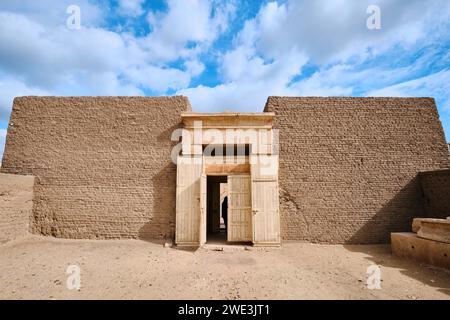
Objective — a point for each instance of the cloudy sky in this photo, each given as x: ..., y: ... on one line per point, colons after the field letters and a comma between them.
x: 224, y: 55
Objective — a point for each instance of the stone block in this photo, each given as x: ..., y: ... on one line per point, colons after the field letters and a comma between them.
x: 409, y: 245
x: 435, y: 229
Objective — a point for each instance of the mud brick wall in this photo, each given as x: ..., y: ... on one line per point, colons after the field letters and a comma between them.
x: 16, y: 202
x: 102, y: 164
x: 436, y: 193
x: 349, y: 166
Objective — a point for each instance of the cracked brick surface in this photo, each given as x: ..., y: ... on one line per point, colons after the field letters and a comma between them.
x: 348, y: 166
x: 102, y: 164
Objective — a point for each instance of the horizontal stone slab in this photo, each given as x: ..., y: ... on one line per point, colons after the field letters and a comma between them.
x: 417, y: 222
x: 435, y: 230
x: 409, y: 245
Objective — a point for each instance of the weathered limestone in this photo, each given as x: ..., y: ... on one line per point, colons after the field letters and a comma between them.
x: 16, y: 202
x: 435, y: 230
x: 409, y: 245
x: 103, y: 165
x: 348, y: 166
x: 429, y: 244
x: 417, y: 223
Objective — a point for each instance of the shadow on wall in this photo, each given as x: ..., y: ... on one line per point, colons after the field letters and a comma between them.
x: 436, y: 193
x: 160, y: 226
x: 395, y: 216
x: 166, y: 135
x: 381, y: 255
x: 164, y: 197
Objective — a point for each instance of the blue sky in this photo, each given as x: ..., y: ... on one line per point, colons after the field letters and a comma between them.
x: 225, y: 55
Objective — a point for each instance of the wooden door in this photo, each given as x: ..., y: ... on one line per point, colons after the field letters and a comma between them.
x: 265, y: 201
x: 188, y: 201
x: 239, y: 226
x: 203, y: 209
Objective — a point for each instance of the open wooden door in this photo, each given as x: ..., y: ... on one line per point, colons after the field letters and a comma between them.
x: 239, y: 226
x: 203, y: 208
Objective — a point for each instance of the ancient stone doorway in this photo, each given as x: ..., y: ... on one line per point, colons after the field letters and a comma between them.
x: 238, y: 149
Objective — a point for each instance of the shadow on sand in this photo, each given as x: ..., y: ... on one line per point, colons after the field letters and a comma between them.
x: 397, y: 216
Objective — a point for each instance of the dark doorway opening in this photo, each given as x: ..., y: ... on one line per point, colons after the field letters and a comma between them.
x: 216, y: 193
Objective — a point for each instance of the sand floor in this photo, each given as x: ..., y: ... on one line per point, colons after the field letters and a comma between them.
x: 35, y: 267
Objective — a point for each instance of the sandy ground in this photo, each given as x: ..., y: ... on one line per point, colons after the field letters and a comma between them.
x: 35, y: 268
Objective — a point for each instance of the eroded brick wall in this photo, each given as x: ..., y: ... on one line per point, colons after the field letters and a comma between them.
x: 102, y: 164
x: 348, y: 166
x: 436, y: 193
x: 16, y: 201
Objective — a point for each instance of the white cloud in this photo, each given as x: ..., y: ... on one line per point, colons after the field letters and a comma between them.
x: 249, y: 80
x: 50, y: 58
x: 51, y: 13
x: 186, y: 29
x: 271, y: 49
x: 194, y: 67
x: 227, y: 97
x: 39, y: 55
x: 248, y: 76
x: 346, y: 79
x: 436, y: 85
x: 131, y: 7
x: 158, y: 79
x: 334, y: 30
